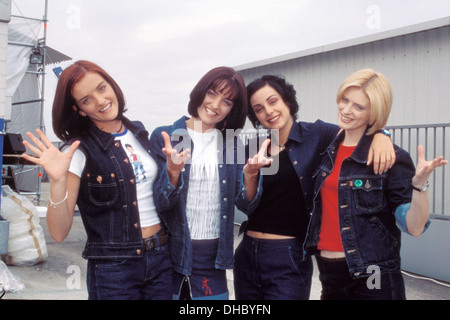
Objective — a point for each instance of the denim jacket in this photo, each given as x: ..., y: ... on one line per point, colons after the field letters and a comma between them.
x: 371, y: 207
x: 107, y: 197
x: 171, y: 200
x: 306, y: 141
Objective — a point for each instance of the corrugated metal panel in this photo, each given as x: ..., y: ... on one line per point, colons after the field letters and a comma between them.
x: 417, y: 65
x: 433, y: 24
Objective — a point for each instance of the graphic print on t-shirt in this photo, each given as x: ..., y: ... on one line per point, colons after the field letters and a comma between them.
x: 135, y: 160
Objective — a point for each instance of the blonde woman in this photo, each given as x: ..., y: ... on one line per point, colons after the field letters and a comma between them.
x: 358, y: 216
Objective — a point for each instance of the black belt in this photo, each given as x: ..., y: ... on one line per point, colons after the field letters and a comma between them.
x: 157, y: 240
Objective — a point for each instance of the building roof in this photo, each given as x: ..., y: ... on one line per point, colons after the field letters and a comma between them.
x: 428, y: 25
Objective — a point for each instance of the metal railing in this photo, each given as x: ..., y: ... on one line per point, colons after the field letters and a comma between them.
x: 436, y: 140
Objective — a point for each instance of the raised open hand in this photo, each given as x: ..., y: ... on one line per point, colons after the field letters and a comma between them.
x: 46, y: 155
x: 424, y: 168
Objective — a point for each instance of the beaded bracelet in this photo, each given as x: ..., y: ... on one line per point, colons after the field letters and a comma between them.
x: 53, y: 204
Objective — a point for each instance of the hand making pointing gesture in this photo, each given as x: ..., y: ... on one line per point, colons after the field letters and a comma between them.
x: 251, y: 169
x: 175, y: 161
x: 258, y: 161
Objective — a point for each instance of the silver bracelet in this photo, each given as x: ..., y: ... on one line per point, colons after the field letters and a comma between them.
x: 53, y: 204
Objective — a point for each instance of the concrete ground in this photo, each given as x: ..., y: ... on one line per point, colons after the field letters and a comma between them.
x: 63, y: 275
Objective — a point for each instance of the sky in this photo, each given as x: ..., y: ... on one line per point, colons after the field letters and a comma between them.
x: 157, y: 50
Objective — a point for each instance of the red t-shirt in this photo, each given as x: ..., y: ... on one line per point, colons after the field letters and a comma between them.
x: 330, y: 236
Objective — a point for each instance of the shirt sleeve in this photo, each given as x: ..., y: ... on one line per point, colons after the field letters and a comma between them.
x: 400, y: 217
x: 242, y: 203
x: 78, y: 161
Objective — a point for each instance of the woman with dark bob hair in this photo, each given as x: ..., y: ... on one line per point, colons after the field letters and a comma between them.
x: 197, y: 194
x: 235, y: 119
x: 127, y: 240
x: 269, y: 261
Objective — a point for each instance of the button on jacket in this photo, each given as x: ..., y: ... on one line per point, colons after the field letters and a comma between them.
x: 171, y: 200
x: 107, y: 198
x: 370, y: 206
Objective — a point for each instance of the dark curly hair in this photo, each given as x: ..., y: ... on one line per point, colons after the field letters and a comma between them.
x: 285, y: 89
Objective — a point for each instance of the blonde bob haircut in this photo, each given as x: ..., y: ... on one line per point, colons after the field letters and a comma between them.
x: 379, y: 92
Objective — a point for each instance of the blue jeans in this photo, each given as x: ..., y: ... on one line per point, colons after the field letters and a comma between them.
x: 337, y: 283
x: 271, y: 270
x: 147, y: 278
x: 205, y: 281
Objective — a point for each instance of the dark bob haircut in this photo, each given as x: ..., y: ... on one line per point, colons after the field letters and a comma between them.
x: 284, y: 89
x: 67, y: 123
x: 234, y: 87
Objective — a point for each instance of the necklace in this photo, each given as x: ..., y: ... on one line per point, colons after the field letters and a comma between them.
x: 120, y: 129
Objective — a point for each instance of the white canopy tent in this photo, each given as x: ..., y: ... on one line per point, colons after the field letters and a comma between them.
x: 27, y: 58
x: 24, y: 82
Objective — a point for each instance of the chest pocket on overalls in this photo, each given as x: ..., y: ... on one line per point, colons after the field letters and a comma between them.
x: 103, y: 190
x: 368, y: 193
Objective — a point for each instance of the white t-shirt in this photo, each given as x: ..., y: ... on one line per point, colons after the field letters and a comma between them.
x: 145, y: 169
x: 203, y: 198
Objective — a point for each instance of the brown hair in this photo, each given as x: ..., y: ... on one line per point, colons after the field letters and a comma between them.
x: 234, y: 85
x: 67, y: 123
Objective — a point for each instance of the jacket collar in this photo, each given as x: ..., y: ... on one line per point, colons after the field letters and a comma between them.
x: 362, y: 149
x: 180, y: 124
x: 105, y: 139
x: 296, y: 133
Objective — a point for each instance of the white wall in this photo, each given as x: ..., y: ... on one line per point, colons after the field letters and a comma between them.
x: 5, y: 16
x: 3, y: 45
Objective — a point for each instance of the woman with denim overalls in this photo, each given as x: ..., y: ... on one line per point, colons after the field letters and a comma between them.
x: 197, y: 194
x: 358, y: 216
x: 127, y: 241
x: 269, y: 261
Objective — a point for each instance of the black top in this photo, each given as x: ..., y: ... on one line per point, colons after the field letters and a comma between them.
x: 282, y: 208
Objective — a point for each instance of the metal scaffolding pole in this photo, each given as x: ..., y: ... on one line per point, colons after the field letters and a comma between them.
x: 41, y: 71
